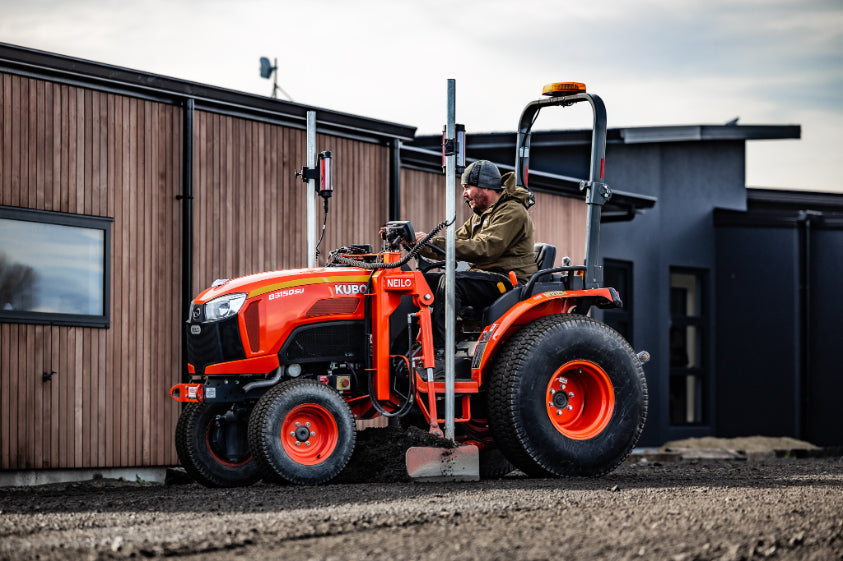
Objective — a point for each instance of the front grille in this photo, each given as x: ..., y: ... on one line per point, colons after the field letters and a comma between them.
x: 336, y: 340
x: 216, y: 342
x: 331, y: 306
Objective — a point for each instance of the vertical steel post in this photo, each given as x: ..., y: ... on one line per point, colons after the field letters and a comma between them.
x: 450, y: 258
x: 311, y: 190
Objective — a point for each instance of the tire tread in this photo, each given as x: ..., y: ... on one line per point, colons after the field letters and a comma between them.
x: 186, y: 427
x: 504, y: 418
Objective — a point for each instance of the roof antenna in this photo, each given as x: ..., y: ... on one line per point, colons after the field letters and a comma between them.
x: 269, y: 70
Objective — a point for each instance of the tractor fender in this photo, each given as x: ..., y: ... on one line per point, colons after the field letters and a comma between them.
x: 529, y: 310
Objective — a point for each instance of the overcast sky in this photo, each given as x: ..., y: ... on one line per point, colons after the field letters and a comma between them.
x: 654, y: 62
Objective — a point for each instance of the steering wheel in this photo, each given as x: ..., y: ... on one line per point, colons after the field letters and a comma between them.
x: 426, y: 264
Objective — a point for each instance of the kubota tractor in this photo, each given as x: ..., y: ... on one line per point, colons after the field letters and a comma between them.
x: 284, y: 363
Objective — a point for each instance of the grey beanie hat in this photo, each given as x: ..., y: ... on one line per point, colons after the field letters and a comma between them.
x: 482, y: 173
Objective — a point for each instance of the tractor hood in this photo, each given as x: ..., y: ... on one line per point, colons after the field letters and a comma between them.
x: 274, y: 281
x: 238, y: 326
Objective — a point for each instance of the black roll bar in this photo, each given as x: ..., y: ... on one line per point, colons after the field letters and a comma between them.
x: 597, y: 192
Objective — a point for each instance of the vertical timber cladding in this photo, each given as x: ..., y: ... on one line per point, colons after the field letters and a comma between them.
x: 559, y: 220
x: 423, y: 200
x: 74, y: 150
x: 250, y: 211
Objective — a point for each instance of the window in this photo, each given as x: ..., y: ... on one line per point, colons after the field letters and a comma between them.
x: 54, y: 268
x: 687, y: 347
x: 618, y: 275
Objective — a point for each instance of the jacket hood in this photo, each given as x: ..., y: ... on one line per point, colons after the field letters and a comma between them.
x: 513, y: 191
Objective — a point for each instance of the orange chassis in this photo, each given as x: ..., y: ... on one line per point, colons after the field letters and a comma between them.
x: 278, y: 303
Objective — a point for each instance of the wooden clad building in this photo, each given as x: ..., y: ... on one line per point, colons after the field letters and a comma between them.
x: 86, y: 140
x: 177, y: 184
x: 73, y: 150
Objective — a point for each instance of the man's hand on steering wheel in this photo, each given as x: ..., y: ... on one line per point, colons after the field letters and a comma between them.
x: 424, y: 263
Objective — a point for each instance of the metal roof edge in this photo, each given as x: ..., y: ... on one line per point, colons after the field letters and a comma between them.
x: 62, y: 68
x: 725, y: 218
x: 791, y: 198
x: 753, y: 218
x: 696, y: 133
x: 631, y: 135
x: 785, y: 208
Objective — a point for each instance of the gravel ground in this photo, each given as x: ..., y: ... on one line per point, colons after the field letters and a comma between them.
x: 774, y: 508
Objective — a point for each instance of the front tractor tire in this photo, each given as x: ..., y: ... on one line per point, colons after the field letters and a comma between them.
x: 567, y: 397
x: 211, y: 442
x: 302, y: 431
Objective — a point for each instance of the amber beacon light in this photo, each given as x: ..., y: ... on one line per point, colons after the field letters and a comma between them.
x: 563, y: 88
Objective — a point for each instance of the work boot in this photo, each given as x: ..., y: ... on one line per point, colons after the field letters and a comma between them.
x: 439, y: 366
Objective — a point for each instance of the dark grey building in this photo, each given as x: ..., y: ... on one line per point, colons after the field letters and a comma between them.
x: 729, y: 288
x: 780, y: 267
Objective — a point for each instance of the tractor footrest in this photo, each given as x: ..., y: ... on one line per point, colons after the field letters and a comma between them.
x: 461, y: 385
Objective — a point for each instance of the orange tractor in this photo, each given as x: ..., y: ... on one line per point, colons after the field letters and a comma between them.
x: 284, y: 363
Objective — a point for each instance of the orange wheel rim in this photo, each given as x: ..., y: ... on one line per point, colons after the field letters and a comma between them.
x: 580, y: 399
x: 309, y: 434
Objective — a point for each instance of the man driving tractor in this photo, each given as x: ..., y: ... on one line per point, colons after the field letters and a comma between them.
x: 497, y: 238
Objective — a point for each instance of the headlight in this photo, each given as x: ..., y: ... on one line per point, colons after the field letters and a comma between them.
x: 194, y: 313
x: 224, y: 306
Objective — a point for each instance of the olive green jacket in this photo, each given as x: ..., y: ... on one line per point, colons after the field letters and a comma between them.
x: 499, y: 240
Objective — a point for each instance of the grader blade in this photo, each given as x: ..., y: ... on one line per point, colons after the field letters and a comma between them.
x: 433, y: 463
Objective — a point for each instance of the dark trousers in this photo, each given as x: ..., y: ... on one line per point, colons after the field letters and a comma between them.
x: 472, y: 288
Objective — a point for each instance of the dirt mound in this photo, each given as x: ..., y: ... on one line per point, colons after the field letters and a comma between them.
x: 379, y: 454
x: 744, y: 443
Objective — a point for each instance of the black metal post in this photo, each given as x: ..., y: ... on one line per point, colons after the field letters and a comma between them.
x: 805, y: 321
x: 395, y: 179
x: 187, y: 227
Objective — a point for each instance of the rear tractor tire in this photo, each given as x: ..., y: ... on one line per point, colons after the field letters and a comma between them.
x: 302, y: 431
x: 211, y: 442
x: 567, y: 397
x: 493, y: 464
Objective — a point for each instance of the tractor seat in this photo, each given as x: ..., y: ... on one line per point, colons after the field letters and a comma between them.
x: 545, y: 255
